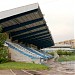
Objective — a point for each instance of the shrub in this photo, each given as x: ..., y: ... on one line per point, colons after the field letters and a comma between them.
x: 3, y: 54
x: 3, y: 37
x: 51, y: 53
x: 3, y: 49
x: 62, y: 52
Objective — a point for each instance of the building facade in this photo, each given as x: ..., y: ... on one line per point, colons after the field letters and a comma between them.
x: 27, y: 33
x: 68, y: 42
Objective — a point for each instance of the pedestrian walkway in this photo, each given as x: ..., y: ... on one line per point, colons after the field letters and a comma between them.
x: 64, y: 68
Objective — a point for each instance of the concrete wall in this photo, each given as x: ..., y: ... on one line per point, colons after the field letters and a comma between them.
x: 16, y: 56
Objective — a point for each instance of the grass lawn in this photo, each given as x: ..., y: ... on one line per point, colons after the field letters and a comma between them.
x: 67, y: 58
x: 22, y: 65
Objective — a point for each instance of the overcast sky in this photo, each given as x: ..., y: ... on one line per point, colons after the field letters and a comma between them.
x: 59, y: 15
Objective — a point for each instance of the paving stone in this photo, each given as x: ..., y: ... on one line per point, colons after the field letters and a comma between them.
x: 5, y: 72
x: 20, y: 72
x: 34, y: 72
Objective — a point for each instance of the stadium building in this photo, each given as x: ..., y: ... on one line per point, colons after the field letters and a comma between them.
x: 68, y: 45
x: 27, y: 33
x: 56, y: 47
x: 68, y: 42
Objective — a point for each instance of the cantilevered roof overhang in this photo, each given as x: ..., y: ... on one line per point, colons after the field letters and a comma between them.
x: 26, y: 24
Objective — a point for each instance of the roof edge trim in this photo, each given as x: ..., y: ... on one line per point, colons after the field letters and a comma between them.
x: 18, y: 10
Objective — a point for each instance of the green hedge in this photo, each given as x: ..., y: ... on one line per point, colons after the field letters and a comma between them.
x: 62, y: 52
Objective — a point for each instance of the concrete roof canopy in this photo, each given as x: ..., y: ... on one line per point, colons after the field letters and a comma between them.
x: 27, y: 24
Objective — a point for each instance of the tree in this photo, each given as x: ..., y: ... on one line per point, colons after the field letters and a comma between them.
x: 0, y: 29
x: 3, y: 49
x: 3, y: 37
